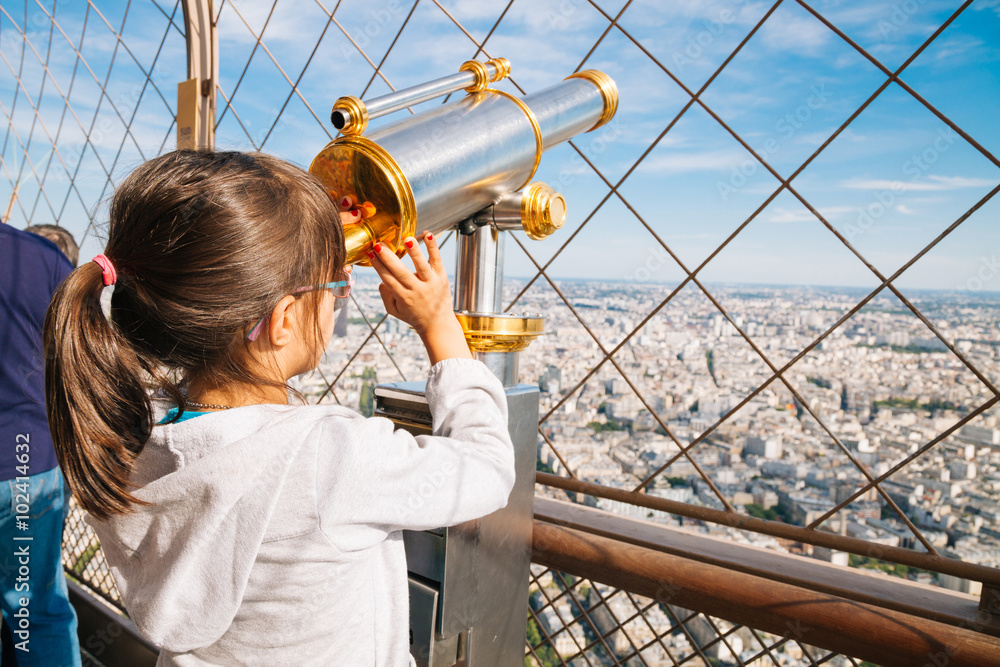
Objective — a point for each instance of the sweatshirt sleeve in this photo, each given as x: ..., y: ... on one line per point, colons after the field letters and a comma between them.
x: 372, y: 480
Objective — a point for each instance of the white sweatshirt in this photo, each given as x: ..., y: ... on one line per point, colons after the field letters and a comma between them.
x: 273, y: 537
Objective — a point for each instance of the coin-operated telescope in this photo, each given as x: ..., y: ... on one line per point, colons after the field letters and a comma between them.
x: 467, y: 165
x: 433, y: 170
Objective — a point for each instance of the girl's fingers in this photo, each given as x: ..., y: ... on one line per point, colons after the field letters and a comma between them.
x: 433, y: 253
x: 422, y: 268
x: 383, y: 271
x: 393, y: 267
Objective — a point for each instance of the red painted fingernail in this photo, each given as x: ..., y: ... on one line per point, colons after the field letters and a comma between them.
x: 430, y: 237
x: 371, y: 255
x: 409, y: 243
x: 345, y: 203
x: 378, y: 247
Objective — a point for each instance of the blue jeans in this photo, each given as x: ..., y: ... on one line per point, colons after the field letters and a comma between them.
x: 31, y: 571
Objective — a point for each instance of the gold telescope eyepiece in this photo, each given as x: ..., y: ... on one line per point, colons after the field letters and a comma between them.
x: 538, y: 210
x: 543, y: 211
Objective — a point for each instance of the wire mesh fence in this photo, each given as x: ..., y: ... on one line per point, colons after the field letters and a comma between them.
x: 84, y: 560
x: 87, y: 95
x: 573, y: 621
x: 88, y: 92
x: 753, y: 367
x: 762, y: 152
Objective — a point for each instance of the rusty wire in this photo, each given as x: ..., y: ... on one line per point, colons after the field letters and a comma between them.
x: 83, y: 558
x: 784, y: 184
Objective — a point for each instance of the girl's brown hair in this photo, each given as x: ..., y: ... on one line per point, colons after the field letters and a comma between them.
x: 204, y: 244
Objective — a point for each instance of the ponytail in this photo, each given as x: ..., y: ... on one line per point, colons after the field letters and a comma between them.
x: 98, y: 402
x: 204, y: 244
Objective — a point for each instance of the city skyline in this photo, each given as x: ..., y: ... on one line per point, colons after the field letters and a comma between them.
x: 369, y: 275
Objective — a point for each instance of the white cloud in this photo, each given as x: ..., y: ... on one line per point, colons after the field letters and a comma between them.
x: 812, y: 138
x: 988, y: 5
x: 904, y: 209
x: 883, y: 27
x: 672, y: 163
x: 784, y: 215
x: 801, y: 33
x: 956, y: 48
x: 818, y: 137
x: 931, y: 184
x: 239, y: 22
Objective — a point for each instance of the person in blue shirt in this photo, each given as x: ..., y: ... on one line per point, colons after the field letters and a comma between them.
x: 34, y: 600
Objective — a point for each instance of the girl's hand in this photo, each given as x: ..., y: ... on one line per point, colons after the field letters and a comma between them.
x: 421, y: 298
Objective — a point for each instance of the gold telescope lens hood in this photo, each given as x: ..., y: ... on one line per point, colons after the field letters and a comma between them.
x: 609, y: 91
x: 359, y: 167
x: 500, y: 332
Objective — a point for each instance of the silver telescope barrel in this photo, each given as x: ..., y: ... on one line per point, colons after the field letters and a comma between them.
x: 351, y: 115
x: 430, y: 171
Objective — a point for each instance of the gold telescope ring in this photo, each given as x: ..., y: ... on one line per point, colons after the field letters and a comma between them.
x: 357, y: 115
x: 539, y: 144
x: 502, y: 66
x: 481, y: 73
x: 609, y: 92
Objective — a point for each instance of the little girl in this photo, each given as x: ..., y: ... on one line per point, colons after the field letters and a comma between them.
x: 241, y: 529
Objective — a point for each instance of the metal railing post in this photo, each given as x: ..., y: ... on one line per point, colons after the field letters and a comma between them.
x: 196, y: 96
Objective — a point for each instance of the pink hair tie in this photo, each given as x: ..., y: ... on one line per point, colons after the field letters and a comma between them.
x: 109, y: 274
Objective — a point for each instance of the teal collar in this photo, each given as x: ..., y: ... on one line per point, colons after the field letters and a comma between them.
x: 188, y: 414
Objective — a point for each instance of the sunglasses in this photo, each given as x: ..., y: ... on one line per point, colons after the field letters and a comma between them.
x: 341, y: 289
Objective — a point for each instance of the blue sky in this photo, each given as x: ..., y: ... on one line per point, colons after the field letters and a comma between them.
x: 889, y: 184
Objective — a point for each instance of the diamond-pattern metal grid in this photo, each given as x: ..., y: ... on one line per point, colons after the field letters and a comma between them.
x: 42, y: 201
x: 70, y: 135
x: 83, y: 558
x: 778, y: 372
x: 88, y: 93
x: 596, y: 649
x: 573, y: 621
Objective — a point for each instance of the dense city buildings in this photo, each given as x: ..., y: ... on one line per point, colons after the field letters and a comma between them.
x: 874, y: 392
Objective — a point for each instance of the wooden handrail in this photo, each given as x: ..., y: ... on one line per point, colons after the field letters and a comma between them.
x: 931, y: 602
x: 853, y: 628
x: 820, y: 538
